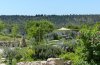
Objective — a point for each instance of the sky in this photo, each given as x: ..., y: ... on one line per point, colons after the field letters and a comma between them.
x: 49, y: 7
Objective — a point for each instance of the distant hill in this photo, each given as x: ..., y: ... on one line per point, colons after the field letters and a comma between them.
x: 59, y: 20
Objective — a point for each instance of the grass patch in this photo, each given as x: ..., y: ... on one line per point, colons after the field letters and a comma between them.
x: 5, y: 38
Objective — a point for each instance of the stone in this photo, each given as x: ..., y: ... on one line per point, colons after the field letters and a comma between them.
x: 50, y: 61
x: 43, y: 62
x: 55, y: 61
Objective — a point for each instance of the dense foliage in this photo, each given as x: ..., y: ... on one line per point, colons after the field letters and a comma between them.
x: 91, y: 39
x: 59, y: 20
x: 80, y: 45
x: 37, y: 29
x: 44, y: 52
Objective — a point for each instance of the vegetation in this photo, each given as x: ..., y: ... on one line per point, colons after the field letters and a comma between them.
x: 40, y: 41
x: 44, y: 52
x: 58, y: 20
x: 38, y: 29
x: 86, y: 51
x: 14, y: 30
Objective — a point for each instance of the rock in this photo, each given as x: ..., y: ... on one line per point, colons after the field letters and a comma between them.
x: 1, y: 51
x: 68, y: 63
x: 37, y: 63
x: 43, y: 62
x: 50, y: 61
x: 21, y: 63
x: 55, y: 61
x: 2, y: 64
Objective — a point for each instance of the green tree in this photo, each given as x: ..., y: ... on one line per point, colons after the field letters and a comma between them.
x: 2, y: 25
x: 91, y: 39
x: 37, y: 29
x: 15, y: 29
x: 86, y: 48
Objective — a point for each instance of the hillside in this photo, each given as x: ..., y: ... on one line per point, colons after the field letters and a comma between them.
x: 56, y: 19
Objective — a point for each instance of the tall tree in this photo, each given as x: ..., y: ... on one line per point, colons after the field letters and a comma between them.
x: 37, y: 29
x: 91, y: 39
x: 15, y: 29
x: 2, y: 25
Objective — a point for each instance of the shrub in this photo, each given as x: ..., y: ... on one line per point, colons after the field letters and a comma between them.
x: 43, y: 52
x: 24, y: 54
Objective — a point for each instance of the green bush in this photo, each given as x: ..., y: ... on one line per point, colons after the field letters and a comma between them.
x: 24, y: 54
x: 74, y: 58
x: 44, y: 52
x: 18, y: 54
x: 4, y: 38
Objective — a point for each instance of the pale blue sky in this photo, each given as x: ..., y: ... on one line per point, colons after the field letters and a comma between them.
x: 59, y: 7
